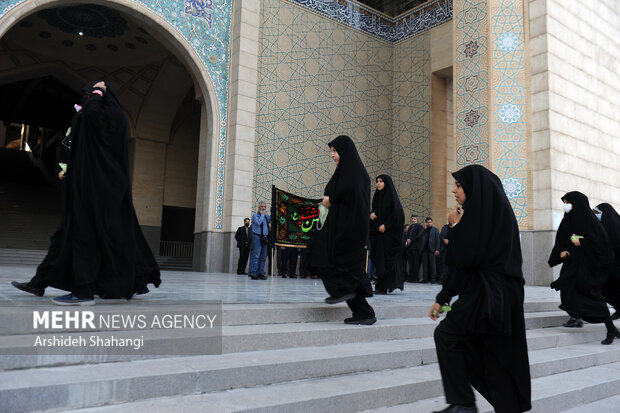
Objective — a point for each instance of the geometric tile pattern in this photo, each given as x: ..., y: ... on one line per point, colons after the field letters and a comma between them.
x: 319, y: 79
x: 412, y: 119
x: 509, y: 100
x: 393, y: 30
x: 471, y: 83
x: 206, y: 25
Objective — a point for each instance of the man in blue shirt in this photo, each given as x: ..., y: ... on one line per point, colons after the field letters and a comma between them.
x: 260, y: 227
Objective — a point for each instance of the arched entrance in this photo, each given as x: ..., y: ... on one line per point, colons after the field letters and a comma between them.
x: 163, y: 85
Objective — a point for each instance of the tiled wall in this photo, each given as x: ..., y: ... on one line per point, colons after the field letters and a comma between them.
x: 411, y: 128
x: 319, y: 79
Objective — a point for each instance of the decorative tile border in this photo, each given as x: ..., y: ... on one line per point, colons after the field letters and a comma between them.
x: 508, y: 97
x: 471, y: 83
x: 206, y: 25
x: 379, y: 25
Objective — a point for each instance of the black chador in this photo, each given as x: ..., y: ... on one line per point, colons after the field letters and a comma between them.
x: 611, y: 222
x: 585, y: 252
x: 481, y: 342
x: 386, y: 248
x: 99, y: 248
x: 337, y: 251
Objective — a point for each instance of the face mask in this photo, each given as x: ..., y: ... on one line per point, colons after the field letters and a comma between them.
x: 598, y: 213
x: 567, y: 207
x: 247, y: 224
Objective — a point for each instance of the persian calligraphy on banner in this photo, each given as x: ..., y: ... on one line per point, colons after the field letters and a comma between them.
x: 295, y: 218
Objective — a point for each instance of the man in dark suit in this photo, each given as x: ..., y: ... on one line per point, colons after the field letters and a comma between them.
x: 243, y: 243
x: 430, y: 251
x: 415, y: 242
x: 441, y: 260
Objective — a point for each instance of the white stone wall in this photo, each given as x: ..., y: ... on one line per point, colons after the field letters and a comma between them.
x: 575, y: 66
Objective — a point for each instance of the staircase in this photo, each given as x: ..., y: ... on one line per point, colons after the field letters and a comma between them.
x: 9, y: 256
x: 174, y: 263
x: 302, y: 358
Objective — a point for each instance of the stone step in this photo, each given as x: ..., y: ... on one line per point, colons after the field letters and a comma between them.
x: 243, y: 338
x: 607, y: 405
x: 250, y: 337
x: 301, y: 363
x: 402, y: 388
x: 10, y: 256
x: 537, y: 314
x: 575, y: 391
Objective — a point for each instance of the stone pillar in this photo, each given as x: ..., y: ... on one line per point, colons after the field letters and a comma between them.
x: 438, y: 149
x: 218, y: 247
x: 149, y: 161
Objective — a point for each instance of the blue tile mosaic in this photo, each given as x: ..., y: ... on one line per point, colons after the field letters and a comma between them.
x: 206, y: 26
x: 509, y: 99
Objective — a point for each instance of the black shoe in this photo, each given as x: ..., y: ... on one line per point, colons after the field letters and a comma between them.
x: 335, y: 300
x: 616, y: 315
x: 262, y: 277
x: 361, y: 321
x: 381, y: 292
x: 573, y: 323
x: 292, y: 276
x: 454, y: 408
x: 610, y: 338
x: 254, y: 277
x: 25, y: 287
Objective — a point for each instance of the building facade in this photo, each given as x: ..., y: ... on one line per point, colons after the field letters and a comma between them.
x: 228, y: 97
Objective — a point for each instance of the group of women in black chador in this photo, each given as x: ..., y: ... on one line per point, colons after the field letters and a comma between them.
x: 99, y: 249
x: 587, y: 245
x: 481, y: 342
x: 338, y: 250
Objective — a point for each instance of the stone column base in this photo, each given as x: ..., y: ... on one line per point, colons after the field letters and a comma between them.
x: 536, y: 247
x: 153, y: 237
x: 215, y: 252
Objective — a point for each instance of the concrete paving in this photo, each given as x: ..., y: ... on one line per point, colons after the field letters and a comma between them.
x: 240, y: 289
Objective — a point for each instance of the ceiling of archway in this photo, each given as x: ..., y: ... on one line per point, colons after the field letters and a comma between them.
x: 88, y: 34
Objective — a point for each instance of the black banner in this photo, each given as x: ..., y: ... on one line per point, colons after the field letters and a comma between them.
x: 293, y: 218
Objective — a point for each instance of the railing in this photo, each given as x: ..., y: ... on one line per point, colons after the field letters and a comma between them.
x: 176, y: 249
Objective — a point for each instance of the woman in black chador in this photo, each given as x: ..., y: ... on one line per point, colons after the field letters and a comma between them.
x: 99, y: 248
x: 337, y: 251
x: 586, y: 255
x: 611, y: 222
x: 481, y: 342
x: 386, y: 236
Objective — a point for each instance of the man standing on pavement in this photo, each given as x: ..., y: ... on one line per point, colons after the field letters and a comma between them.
x: 260, y: 239
x: 243, y: 243
x: 415, y: 242
x: 430, y: 251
